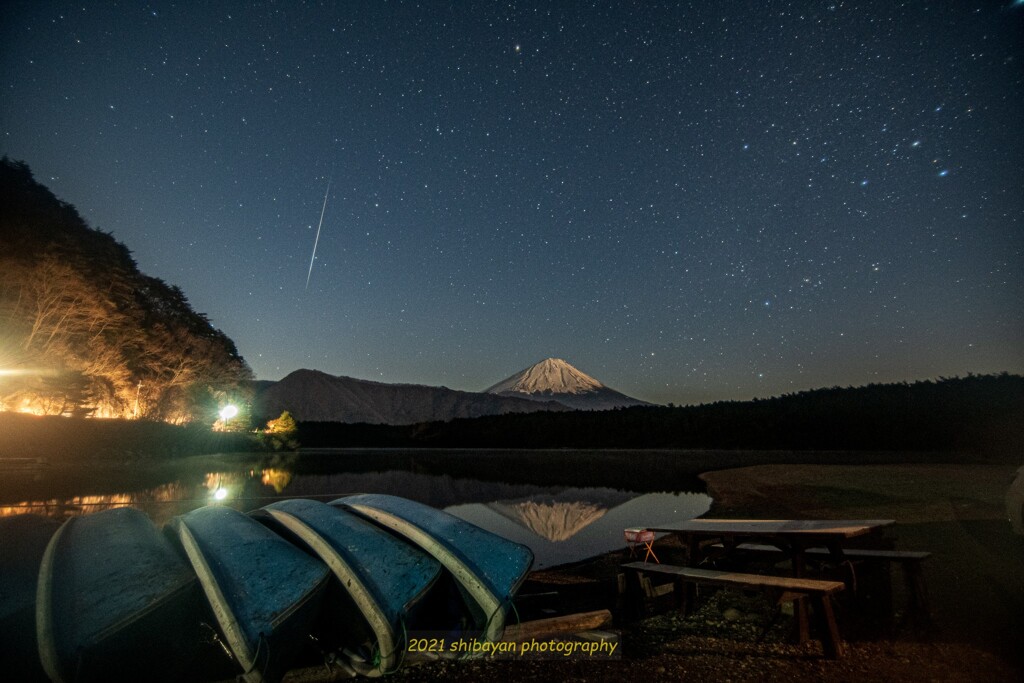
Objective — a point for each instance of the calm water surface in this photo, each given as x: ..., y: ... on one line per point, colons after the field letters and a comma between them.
x: 528, y: 504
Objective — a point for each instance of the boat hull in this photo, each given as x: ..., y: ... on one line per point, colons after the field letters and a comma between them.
x: 113, y: 598
x: 487, y: 568
x: 381, y: 579
x: 264, y: 592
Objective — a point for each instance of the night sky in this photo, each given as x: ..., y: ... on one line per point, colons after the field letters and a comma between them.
x: 688, y: 201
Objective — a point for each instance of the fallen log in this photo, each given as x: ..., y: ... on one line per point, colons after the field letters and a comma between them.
x: 561, y: 625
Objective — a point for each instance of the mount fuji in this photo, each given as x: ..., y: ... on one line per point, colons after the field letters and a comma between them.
x: 553, y: 379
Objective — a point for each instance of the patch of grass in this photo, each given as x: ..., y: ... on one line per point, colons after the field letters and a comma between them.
x: 839, y: 497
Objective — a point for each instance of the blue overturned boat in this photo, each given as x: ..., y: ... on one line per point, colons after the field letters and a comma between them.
x: 24, y: 539
x: 488, y: 568
x: 264, y: 592
x: 113, y: 597
x: 381, y: 580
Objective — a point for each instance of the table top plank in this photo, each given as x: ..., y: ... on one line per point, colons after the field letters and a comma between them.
x: 736, y: 578
x: 845, y: 528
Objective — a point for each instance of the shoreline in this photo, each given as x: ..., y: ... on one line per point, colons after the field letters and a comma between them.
x: 952, y: 509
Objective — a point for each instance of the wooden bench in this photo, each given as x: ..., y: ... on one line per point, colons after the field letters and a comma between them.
x: 909, y: 560
x: 788, y: 588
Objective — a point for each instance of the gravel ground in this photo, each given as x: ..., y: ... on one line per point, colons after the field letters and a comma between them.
x: 727, y: 640
x: 712, y: 659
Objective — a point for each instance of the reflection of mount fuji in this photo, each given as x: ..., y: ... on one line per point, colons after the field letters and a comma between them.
x: 571, y: 524
x: 560, y: 517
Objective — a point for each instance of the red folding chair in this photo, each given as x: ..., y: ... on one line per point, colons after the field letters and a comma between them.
x: 640, y: 537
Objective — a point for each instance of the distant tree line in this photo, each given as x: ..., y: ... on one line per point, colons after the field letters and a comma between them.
x: 975, y: 413
x: 83, y: 332
x: 56, y: 440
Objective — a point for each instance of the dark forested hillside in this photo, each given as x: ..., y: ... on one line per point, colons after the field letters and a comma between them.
x: 975, y: 413
x: 83, y: 332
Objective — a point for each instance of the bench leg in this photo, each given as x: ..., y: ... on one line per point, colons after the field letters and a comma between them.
x: 803, y: 630
x: 637, y: 594
x: 684, y: 600
x: 802, y: 622
x: 831, y: 641
x: 917, y: 593
x: 885, y: 610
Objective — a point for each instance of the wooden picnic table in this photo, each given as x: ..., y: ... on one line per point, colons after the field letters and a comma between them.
x: 792, y: 536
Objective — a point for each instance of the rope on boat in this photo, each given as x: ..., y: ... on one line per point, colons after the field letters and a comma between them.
x: 378, y: 657
x: 515, y: 611
x: 502, y: 608
x: 256, y: 658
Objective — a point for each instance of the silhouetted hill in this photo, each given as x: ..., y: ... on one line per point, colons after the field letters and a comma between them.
x: 311, y: 395
x: 84, y: 332
x: 975, y: 413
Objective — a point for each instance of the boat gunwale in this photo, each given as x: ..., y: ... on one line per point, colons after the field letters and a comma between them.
x: 486, y: 600
x: 51, y: 639
x: 367, y: 604
x: 215, y: 596
x: 238, y: 639
x: 45, y: 624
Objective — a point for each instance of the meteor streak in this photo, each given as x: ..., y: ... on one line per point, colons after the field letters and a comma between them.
x: 317, y: 240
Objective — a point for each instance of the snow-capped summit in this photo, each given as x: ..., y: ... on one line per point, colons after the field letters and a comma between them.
x: 555, y: 379
x: 551, y: 374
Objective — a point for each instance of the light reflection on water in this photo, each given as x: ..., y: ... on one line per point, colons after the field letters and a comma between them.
x: 560, y: 524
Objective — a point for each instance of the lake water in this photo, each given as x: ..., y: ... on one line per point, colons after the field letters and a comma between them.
x: 526, y: 497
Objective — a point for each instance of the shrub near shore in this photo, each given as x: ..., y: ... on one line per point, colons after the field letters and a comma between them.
x: 66, y: 439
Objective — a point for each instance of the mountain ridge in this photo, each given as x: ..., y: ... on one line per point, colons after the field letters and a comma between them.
x: 315, y: 396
